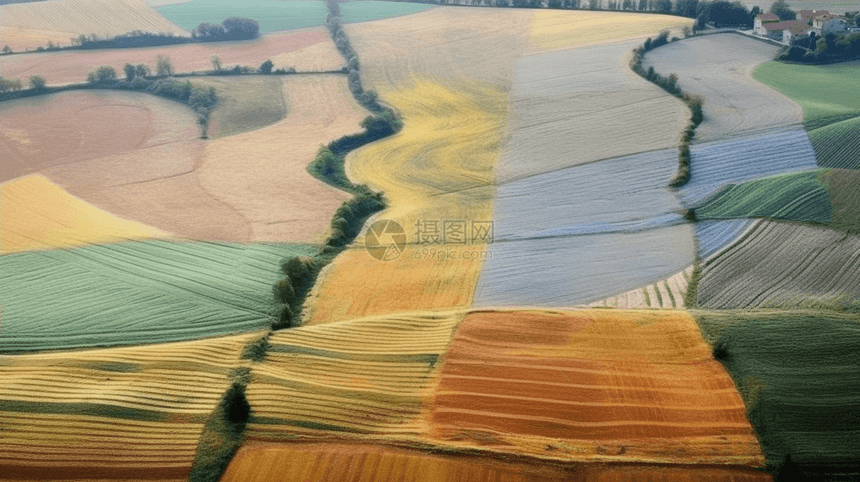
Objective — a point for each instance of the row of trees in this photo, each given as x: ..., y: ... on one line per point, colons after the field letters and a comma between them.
x: 818, y: 50
x: 234, y: 28
x: 36, y: 82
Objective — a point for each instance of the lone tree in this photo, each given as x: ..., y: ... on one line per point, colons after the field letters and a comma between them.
x: 37, y: 82
x: 163, y: 66
x: 266, y: 67
x: 102, y: 73
x: 216, y: 62
x: 7, y: 49
x: 129, y: 71
x: 781, y: 9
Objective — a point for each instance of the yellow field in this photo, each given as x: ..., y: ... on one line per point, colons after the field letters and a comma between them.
x: 30, y: 25
x: 114, y: 413
x: 439, y: 167
x: 36, y: 214
x: 557, y: 29
x: 363, y: 376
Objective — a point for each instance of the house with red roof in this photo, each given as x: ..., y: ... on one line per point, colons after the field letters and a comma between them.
x: 761, y: 20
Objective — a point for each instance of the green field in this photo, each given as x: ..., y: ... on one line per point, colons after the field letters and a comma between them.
x: 844, y: 188
x: 827, y: 93
x: 274, y: 15
x: 799, y: 374
x: 799, y: 196
x: 137, y: 292
x: 244, y: 103
x: 838, y: 145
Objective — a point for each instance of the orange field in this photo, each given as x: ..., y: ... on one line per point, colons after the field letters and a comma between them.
x: 257, y: 462
x: 306, y: 50
x: 592, y: 384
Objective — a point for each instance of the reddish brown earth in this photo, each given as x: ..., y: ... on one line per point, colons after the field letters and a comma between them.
x: 73, y: 66
x: 591, y: 384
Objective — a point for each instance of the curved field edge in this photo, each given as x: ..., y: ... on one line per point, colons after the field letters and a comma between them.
x: 827, y: 94
x: 137, y: 292
x: 837, y: 145
x: 668, y: 293
x: 39, y: 215
x: 796, y: 370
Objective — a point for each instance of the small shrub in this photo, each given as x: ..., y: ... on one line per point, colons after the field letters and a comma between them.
x: 284, y: 292
x: 721, y: 350
x: 37, y: 82
x: 266, y: 67
x: 283, y: 317
x: 256, y: 350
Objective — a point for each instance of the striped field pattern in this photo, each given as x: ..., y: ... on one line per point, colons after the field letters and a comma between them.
x: 782, y: 264
x: 112, y: 414
x: 591, y: 385
x: 363, y: 376
x: 838, y: 145
x: 667, y: 293
x: 713, y: 236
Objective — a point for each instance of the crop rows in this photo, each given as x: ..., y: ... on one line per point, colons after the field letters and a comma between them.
x: 668, y: 293
x: 780, y: 264
x: 797, y: 371
x: 119, y: 413
x: 797, y: 196
x: 363, y: 376
x: 712, y: 236
x: 837, y: 145
x: 591, y: 385
x: 714, y: 164
x: 140, y: 292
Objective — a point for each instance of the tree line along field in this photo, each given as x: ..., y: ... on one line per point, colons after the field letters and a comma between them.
x: 306, y: 50
x: 114, y: 414
x: 31, y: 25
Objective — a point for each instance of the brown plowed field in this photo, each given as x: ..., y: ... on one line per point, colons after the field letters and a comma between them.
x: 256, y: 462
x: 306, y: 50
x: 592, y: 384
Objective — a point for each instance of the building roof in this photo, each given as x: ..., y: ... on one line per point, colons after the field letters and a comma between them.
x: 807, y: 14
x: 825, y: 16
x: 768, y: 17
x: 786, y: 25
x: 799, y: 28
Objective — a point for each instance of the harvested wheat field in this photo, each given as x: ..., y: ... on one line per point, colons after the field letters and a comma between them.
x: 38, y: 215
x: 244, y: 104
x: 715, y: 164
x: 261, y: 175
x: 563, y: 105
x: 798, y: 373
x: 559, y: 29
x: 443, y: 44
x: 785, y: 265
x: 136, y: 293
x: 565, y: 271
x: 306, y: 50
x: 68, y: 127
x: 308, y: 462
x: 719, y: 67
x: 250, y: 187
x: 30, y: 25
x: 111, y: 414
x: 591, y: 385
x: 667, y: 293
x: 439, y: 167
x: 363, y: 376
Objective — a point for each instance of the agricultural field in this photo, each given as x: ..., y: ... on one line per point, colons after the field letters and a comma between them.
x: 26, y: 26
x: 274, y: 15
x: 837, y: 144
x: 804, y: 84
x: 133, y: 413
x: 716, y: 164
x: 719, y: 68
x: 784, y: 265
x: 594, y: 385
x: 667, y: 293
x: 136, y: 293
x: 797, y: 371
x: 558, y: 110
x: 797, y: 196
x: 38, y: 215
x: 558, y: 29
x: 306, y: 50
x: 712, y: 236
x: 68, y: 127
x: 363, y: 376
x: 844, y: 198
x: 244, y: 104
